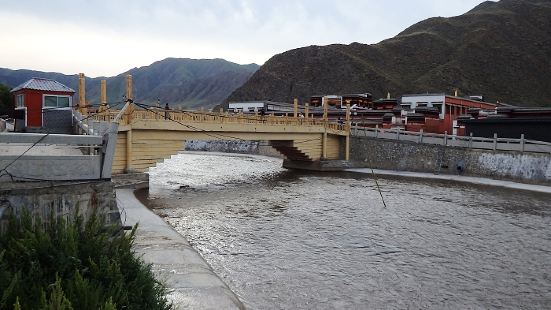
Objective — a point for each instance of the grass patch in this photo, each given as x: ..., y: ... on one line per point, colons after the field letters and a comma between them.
x: 73, y: 265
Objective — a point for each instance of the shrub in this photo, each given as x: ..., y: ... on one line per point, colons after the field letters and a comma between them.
x: 73, y: 265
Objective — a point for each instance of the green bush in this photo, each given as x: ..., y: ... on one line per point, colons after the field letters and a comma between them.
x: 73, y: 265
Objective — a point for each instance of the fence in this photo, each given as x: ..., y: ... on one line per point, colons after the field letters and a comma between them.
x: 495, y: 143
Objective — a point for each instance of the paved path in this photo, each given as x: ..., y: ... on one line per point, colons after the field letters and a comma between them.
x: 192, y: 282
x: 458, y: 178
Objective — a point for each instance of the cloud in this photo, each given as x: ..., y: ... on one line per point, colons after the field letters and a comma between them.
x: 104, y: 37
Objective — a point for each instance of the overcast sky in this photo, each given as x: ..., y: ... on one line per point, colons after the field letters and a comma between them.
x: 108, y: 37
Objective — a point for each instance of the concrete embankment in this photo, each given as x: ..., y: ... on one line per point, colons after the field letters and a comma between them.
x: 456, y: 178
x: 384, y: 154
x: 393, y: 155
x: 60, y: 198
x: 192, y: 282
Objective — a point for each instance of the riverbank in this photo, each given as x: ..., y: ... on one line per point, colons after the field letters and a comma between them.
x: 456, y: 178
x: 191, y: 281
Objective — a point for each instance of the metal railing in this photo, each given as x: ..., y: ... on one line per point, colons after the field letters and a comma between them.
x: 495, y: 143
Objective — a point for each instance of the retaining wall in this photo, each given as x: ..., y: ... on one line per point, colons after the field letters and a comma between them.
x: 410, y: 156
x: 61, y: 198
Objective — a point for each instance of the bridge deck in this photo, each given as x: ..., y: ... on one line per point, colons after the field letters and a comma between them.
x: 182, y: 120
x: 146, y: 137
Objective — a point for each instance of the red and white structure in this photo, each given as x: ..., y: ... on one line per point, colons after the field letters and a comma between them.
x: 449, y: 109
x: 37, y: 96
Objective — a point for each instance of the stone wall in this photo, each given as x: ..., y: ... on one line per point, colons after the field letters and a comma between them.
x: 57, y: 121
x: 418, y: 157
x: 61, y: 198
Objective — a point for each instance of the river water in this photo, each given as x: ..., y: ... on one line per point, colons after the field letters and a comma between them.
x: 292, y: 240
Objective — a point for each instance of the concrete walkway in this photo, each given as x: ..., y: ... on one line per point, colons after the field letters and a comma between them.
x: 458, y: 178
x: 192, y: 283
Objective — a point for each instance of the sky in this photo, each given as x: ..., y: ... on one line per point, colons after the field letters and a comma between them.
x: 108, y: 37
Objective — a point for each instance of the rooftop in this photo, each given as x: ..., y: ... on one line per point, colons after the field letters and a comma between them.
x: 43, y: 84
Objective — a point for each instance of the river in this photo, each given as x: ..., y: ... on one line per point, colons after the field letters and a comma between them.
x: 294, y: 240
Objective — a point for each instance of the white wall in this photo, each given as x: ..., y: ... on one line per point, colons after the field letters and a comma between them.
x: 246, y: 106
x: 430, y: 100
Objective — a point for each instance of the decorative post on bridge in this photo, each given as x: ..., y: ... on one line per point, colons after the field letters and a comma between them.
x: 129, y: 111
x: 129, y: 86
x: 324, y: 103
x: 103, y: 97
x: 129, y: 99
x: 295, y: 108
x: 347, y: 138
x: 306, y: 110
x: 82, y: 94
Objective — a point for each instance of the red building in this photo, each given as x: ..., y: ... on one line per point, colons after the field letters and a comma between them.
x: 354, y: 100
x: 440, y: 110
x: 37, y: 96
x: 331, y: 100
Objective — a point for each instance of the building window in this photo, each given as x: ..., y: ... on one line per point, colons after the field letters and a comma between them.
x: 20, y: 101
x: 57, y: 101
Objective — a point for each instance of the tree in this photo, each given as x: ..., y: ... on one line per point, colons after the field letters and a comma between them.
x: 6, y: 100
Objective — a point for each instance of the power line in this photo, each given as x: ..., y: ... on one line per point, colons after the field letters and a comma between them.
x: 211, y: 113
x: 68, y: 108
x: 214, y: 135
x: 107, y: 109
x: 145, y: 107
x: 5, y: 171
x: 18, y: 157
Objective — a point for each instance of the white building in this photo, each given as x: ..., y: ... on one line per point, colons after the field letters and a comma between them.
x: 410, y: 102
x: 245, y: 107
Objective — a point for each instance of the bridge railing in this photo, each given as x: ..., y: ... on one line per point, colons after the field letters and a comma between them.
x: 97, y: 125
x: 495, y: 143
x: 220, y: 118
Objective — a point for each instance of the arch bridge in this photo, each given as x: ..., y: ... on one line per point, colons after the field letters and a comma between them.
x: 148, y: 135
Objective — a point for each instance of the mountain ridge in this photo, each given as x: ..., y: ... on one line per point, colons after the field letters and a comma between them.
x: 498, y: 49
x: 191, y: 83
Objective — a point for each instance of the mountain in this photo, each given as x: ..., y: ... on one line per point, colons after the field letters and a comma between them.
x: 498, y: 49
x: 192, y: 83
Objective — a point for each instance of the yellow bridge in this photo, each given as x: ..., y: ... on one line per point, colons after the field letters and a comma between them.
x: 148, y: 136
